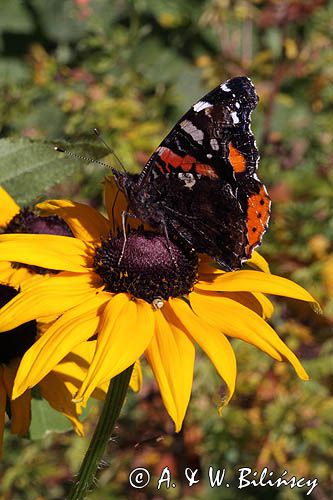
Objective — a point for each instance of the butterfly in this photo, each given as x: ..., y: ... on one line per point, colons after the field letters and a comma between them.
x: 200, y: 186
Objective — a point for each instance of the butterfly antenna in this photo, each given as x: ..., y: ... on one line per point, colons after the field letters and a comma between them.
x: 99, y: 135
x: 79, y: 157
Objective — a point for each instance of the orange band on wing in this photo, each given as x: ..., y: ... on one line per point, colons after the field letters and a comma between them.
x: 237, y: 159
x: 257, y: 218
x: 207, y: 170
x: 172, y: 160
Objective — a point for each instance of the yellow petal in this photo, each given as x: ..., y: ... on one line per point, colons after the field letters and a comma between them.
x: 136, y: 378
x: 50, y: 251
x: 18, y: 277
x: 171, y: 356
x: 73, y: 370
x: 211, y: 341
x: 72, y: 328
x: 74, y: 366
x: 207, y: 266
x: 85, y: 222
x: 256, y: 281
x: 238, y: 321
x: 213, y: 309
x: 21, y: 407
x: 258, y: 262
x: 8, y: 207
x: 21, y: 414
x: 11, y: 276
x: 255, y: 301
x: 54, y: 390
x: 266, y: 304
x: 125, y: 330
x: 49, y: 297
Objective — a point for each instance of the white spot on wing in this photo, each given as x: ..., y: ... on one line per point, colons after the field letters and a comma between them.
x: 225, y: 87
x: 234, y: 117
x: 214, y: 144
x: 200, y: 105
x: 187, y: 178
x: 192, y: 130
x: 237, y: 104
x: 209, y: 155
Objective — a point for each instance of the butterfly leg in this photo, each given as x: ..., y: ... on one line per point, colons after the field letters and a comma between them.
x: 124, y: 216
x: 169, y: 244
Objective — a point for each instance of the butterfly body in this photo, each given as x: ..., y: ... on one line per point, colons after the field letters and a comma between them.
x: 200, y: 185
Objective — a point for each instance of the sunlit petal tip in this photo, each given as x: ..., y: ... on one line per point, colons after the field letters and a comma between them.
x: 257, y: 281
x: 302, y: 374
x: 136, y: 378
x: 78, y: 401
x: 258, y: 262
x: 18, y: 390
x: 178, y: 425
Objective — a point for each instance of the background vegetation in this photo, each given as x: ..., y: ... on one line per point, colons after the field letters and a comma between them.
x: 132, y: 67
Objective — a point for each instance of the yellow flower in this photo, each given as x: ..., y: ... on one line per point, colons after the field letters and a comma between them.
x: 13, y: 219
x: 9, y: 208
x: 144, y: 297
x: 59, y: 386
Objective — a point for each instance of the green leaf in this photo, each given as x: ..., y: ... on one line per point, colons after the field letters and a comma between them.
x: 14, y: 71
x: 45, y: 419
x: 15, y: 17
x: 60, y: 20
x: 28, y: 168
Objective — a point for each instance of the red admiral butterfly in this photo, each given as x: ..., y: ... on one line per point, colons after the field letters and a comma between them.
x: 200, y: 185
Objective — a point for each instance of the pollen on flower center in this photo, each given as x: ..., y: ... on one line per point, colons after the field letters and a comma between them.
x: 151, y: 267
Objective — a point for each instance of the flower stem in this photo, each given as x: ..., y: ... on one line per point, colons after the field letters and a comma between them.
x: 110, y: 412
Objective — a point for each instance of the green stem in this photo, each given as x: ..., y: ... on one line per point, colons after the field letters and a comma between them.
x: 110, y: 412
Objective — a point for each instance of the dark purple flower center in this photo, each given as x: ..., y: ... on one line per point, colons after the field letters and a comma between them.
x: 151, y: 268
x: 14, y: 343
x: 26, y: 221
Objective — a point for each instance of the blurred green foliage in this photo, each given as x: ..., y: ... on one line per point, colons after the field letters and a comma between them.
x: 131, y: 68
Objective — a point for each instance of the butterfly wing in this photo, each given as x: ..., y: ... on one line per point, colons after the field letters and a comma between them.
x: 202, y: 182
